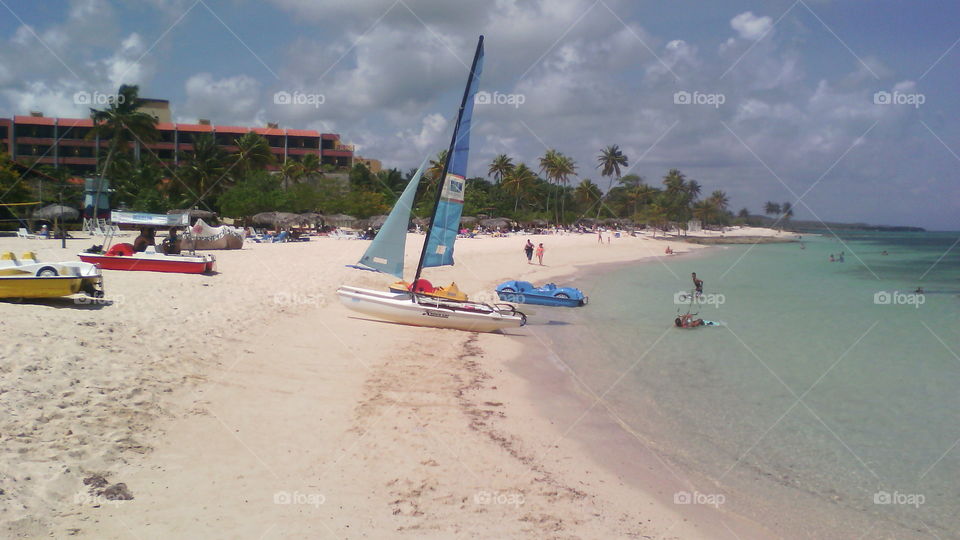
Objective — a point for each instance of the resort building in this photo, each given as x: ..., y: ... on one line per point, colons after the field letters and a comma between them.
x: 373, y: 165
x: 63, y: 142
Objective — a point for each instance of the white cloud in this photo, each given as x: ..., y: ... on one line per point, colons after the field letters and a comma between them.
x: 230, y: 100
x: 751, y: 27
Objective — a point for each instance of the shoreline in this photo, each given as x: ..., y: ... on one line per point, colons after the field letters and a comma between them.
x: 625, y: 456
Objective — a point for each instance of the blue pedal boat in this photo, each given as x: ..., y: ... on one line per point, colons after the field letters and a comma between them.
x: 524, y: 292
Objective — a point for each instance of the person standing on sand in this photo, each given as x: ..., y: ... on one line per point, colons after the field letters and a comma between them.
x: 540, y: 251
x: 528, y: 249
x: 599, y: 237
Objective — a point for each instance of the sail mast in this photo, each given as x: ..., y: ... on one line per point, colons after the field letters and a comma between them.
x: 446, y: 165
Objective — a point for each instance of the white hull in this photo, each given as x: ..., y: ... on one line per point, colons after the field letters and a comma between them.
x: 425, y: 311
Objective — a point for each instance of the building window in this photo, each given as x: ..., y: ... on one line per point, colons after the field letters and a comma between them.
x: 35, y: 131
x: 74, y: 133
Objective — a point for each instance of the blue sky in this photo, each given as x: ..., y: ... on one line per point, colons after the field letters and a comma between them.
x: 782, y: 93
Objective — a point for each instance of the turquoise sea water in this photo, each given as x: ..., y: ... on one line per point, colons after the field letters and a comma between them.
x: 832, y: 393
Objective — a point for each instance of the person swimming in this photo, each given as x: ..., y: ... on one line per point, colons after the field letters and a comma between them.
x: 831, y: 258
x: 687, y: 321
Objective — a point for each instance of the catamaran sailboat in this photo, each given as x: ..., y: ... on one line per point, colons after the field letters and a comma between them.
x: 385, y: 254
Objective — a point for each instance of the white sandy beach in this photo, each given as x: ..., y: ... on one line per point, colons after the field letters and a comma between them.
x: 251, y: 404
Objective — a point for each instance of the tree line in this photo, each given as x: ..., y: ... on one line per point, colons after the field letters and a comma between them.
x: 250, y: 180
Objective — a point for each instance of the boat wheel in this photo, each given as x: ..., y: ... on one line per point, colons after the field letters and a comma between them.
x: 47, y: 271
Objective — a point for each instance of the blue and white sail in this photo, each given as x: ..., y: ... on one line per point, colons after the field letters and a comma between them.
x: 386, y: 252
x: 446, y: 218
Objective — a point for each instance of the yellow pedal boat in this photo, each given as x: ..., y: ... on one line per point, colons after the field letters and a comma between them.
x: 28, y: 278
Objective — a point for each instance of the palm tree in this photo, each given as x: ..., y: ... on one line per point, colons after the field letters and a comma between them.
x: 561, y: 167
x: 253, y: 154
x: 518, y: 182
x: 704, y: 211
x: 500, y: 167
x: 587, y: 193
x: 436, y: 167
x: 787, y: 210
x: 311, y: 166
x: 719, y: 200
x: 549, y: 164
x: 120, y: 123
x: 771, y: 209
x: 609, y: 162
x: 204, y: 168
x: 679, y: 195
x: 291, y: 171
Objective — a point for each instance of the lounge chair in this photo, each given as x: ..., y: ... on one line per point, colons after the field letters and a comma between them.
x: 282, y: 237
x: 22, y: 232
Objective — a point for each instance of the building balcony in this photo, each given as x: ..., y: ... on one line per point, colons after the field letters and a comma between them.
x: 35, y: 140
x: 78, y: 161
x: 46, y: 160
x: 161, y: 146
x: 76, y: 143
x: 303, y: 151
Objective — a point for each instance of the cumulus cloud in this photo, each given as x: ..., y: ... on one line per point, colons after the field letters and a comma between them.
x: 751, y: 27
x: 228, y: 100
x: 590, y: 74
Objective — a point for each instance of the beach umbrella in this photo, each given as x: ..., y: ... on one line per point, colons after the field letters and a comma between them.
x: 495, y: 223
x: 55, y: 211
x: 376, y: 221
x: 538, y: 222
x: 312, y: 217
x: 341, y: 220
x: 274, y: 218
x: 468, y: 220
x: 194, y: 213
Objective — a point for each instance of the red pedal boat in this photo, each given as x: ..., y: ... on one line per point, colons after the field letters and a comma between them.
x: 119, y: 258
